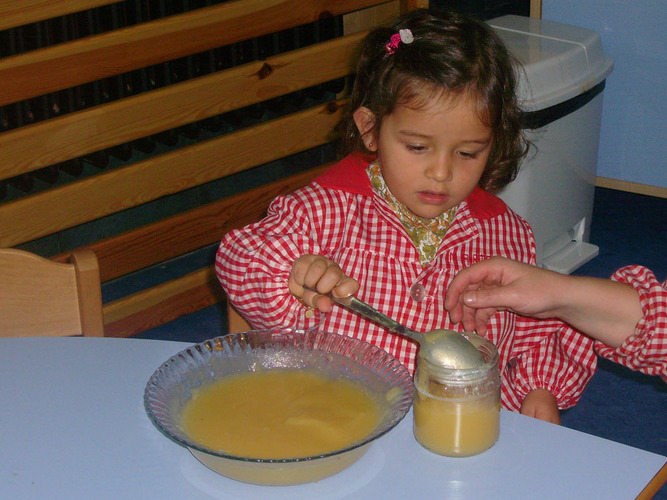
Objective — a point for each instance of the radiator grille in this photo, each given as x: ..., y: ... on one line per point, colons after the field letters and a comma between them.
x: 128, y: 13
x: 116, y: 16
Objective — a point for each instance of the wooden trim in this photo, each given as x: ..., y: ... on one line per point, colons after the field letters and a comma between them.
x: 93, y: 58
x: 631, y: 187
x: 379, y: 15
x: 158, y: 305
x: 94, y: 197
x: 19, y: 12
x: 408, y: 5
x: 132, y: 304
x: 536, y: 9
x: 374, y: 16
x: 190, y: 230
x: 77, y: 134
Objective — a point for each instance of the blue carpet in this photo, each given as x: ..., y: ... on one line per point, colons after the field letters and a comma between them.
x: 623, y: 406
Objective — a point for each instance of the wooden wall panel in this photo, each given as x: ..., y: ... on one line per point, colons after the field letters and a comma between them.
x: 90, y: 130
x: 20, y: 12
x: 89, y: 59
x: 116, y: 190
x: 27, y: 149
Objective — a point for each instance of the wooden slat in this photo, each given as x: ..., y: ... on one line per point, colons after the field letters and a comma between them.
x: 408, y: 5
x: 631, y: 187
x: 536, y: 9
x: 379, y: 15
x: 93, y: 58
x: 190, y: 230
x: 75, y: 135
x: 141, y: 311
x: 94, y: 197
x: 134, y: 303
x: 363, y: 20
x: 19, y: 12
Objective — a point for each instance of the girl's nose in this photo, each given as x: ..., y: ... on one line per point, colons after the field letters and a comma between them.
x: 440, y: 169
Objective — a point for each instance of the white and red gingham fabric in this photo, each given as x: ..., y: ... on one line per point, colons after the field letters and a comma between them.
x: 646, y: 349
x: 340, y: 217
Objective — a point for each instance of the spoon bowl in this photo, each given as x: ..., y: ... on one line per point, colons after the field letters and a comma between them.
x: 442, y: 347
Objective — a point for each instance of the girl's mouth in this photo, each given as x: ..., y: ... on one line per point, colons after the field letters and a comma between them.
x: 432, y: 198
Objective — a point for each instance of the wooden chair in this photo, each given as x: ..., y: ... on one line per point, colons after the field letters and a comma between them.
x: 40, y: 297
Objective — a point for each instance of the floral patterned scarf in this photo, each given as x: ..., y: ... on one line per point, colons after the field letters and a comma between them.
x: 426, y: 234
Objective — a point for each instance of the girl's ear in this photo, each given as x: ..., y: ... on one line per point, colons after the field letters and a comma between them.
x: 364, y: 118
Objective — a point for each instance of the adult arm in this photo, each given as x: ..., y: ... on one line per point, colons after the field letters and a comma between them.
x: 605, y: 310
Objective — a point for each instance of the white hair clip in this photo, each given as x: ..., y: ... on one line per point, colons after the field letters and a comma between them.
x: 406, y: 36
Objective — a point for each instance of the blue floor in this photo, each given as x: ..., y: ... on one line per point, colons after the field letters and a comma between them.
x: 618, y: 404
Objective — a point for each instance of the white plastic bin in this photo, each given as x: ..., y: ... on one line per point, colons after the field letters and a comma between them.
x: 561, y: 90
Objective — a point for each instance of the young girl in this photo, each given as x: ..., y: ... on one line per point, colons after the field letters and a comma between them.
x: 434, y: 128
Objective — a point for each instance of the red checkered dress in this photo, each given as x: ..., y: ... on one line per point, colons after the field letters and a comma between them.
x: 646, y: 349
x: 340, y: 217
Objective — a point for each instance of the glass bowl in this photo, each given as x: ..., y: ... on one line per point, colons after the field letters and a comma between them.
x: 332, y: 355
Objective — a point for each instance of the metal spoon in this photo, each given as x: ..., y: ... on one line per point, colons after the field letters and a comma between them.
x: 442, y: 347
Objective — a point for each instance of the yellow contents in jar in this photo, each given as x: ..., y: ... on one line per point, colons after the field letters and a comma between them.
x: 457, y: 427
x: 279, y: 414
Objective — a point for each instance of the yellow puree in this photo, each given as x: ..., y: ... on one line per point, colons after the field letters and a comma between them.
x: 279, y: 414
x: 462, y: 427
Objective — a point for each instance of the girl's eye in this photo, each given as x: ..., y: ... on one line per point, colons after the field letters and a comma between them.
x: 467, y: 155
x: 416, y: 148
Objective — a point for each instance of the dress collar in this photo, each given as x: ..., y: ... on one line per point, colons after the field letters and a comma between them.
x: 349, y: 175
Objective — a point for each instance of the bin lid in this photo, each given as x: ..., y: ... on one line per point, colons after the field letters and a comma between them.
x: 560, y: 61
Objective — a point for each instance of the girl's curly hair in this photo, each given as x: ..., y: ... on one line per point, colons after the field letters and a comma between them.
x: 451, y: 53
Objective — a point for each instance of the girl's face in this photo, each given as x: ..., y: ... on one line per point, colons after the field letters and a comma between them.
x: 432, y: 157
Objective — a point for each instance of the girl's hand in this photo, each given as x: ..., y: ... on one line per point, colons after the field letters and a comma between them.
x: 541, y: 404
x: 315, y: 275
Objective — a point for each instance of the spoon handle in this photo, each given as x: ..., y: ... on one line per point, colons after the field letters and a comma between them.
x: 359, y: 306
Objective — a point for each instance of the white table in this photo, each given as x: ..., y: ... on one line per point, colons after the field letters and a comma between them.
x: 73, y: 425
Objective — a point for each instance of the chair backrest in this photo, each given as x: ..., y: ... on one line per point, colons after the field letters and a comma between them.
x: 40, y: 297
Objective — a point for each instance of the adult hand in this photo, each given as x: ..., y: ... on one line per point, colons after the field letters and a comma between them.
x: 476, y: 293
x: 603, y: 309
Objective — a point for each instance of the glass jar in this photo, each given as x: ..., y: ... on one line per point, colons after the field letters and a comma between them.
x: 457, y: 411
